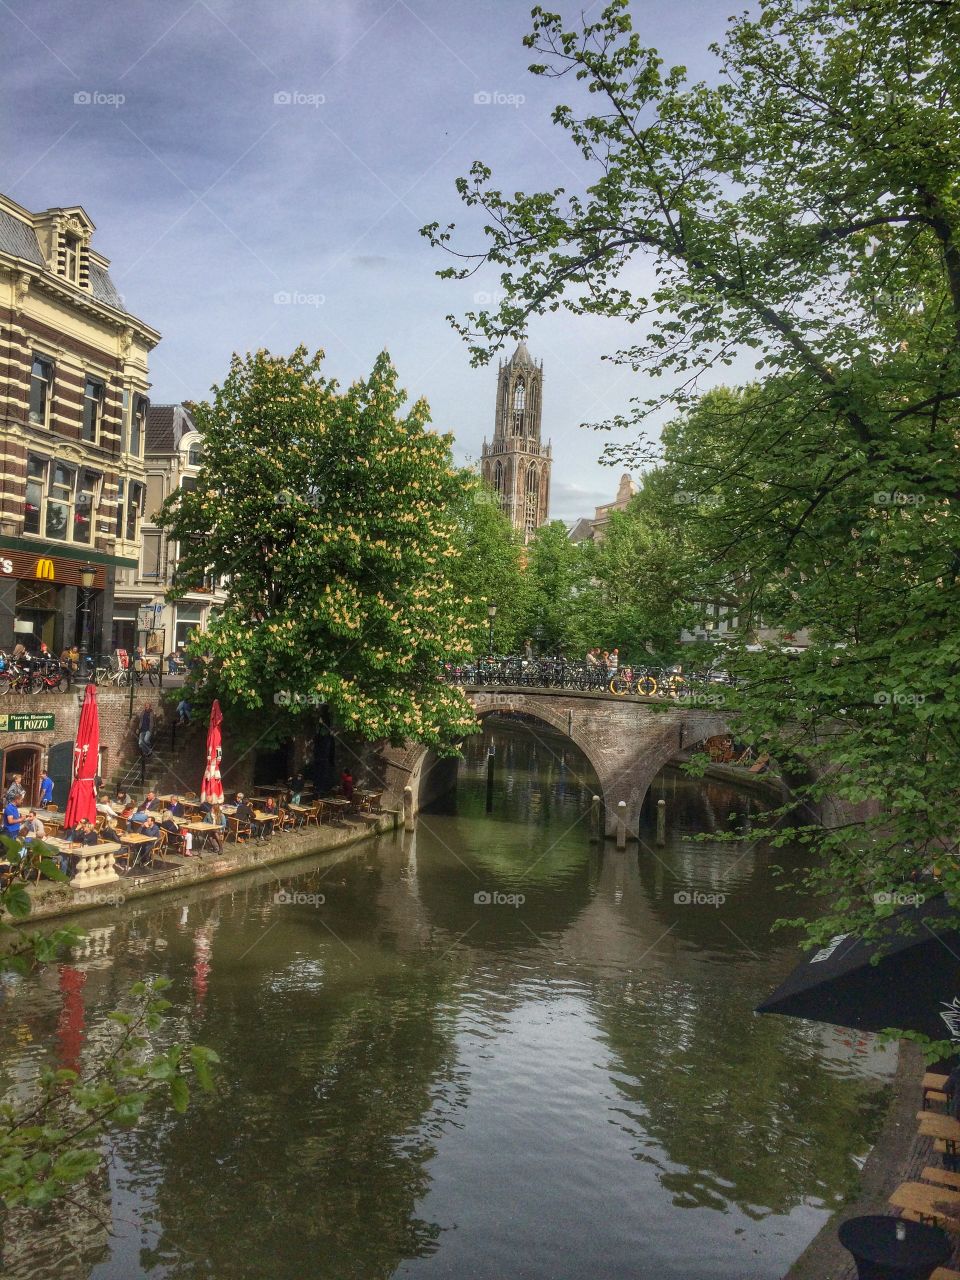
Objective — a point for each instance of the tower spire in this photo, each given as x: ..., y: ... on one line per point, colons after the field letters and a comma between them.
x: 516, y: 464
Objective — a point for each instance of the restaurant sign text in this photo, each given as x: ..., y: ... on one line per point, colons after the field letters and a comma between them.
x: 24, y: 722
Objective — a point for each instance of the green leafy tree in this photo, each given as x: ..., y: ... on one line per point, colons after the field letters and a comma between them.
x: 332, y: 520
x: 642, y: 589
x: 489, y: 569
x: 802, y: 207
x: 557, y: 577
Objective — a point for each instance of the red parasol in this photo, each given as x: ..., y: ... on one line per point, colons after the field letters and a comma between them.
x: 82, y: 801
x: 212, y: 789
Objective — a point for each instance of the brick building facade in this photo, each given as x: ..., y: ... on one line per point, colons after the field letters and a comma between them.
x: 73, y: 407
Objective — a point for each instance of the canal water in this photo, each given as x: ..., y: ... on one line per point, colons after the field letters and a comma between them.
x: 491, y: 1049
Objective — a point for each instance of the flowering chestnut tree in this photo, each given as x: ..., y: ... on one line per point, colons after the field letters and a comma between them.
x: 330, y: 517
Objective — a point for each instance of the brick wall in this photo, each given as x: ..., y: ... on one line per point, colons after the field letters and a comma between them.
x: 181, y: 754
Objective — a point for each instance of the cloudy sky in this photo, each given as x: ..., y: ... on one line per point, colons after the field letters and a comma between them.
x: 233, y: 153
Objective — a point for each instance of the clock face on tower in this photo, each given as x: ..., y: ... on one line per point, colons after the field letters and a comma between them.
x: 516, y: 464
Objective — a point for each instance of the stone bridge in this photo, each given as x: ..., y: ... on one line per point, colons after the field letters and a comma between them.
x: 626, y: 740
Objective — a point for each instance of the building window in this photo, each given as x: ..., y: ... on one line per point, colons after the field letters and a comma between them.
x: 189, y: 617
x: 41, y: 384
x: 532, y: 500
x: 195, y: 456
x: 499, y: 484
x: 118, y: 531
x: 93, y: 393
x: 33, y: 499
x: 59, y: 514
x: 124, y: 415
x: 87, y: 499
x: 138, y: 418
x: 71, y: 260
x: 134, y: 510
x: 188, y: 483
x: 519, y: 400
x: 151, y: 557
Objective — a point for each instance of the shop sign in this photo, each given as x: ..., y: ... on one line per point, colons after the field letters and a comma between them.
x: 45, y: 566
x: 25, y: 722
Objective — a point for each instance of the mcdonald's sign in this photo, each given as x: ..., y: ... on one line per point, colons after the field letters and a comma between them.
x: 45, y: 570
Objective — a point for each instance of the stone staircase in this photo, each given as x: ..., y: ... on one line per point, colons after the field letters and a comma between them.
x: 163, y: 770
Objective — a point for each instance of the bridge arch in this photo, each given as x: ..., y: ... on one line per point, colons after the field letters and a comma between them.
x: 627, y: 741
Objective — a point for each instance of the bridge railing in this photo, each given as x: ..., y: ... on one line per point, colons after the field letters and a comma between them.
x: 514, y: 670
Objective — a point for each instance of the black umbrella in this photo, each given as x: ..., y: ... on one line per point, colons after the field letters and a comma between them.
x: 915, y: 985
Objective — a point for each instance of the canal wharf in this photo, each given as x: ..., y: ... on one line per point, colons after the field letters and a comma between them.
x: 56, y: 898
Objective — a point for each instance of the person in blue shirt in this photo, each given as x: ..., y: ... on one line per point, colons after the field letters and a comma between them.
x: 46, y: 789
x: 11, y: 819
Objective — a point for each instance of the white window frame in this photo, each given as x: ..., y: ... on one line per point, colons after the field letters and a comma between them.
x: 37, y: 357
x: 91, y: 379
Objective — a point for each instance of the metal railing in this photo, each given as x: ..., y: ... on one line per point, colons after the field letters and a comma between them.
x: 516, y: 671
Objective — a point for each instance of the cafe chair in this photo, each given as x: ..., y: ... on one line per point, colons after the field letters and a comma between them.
x: 237, y: 831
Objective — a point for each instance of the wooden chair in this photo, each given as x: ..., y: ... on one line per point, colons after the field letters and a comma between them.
x: 286, y: 821
x: 313, y: 814
x: 237, y: 830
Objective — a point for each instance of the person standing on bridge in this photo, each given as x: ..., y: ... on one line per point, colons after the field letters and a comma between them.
x: 613, y: 663
x: 528, y: 650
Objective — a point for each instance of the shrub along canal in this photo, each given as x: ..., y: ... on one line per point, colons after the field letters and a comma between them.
x: 488, y: 1049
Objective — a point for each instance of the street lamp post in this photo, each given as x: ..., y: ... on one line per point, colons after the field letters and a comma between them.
x: 87, y: 577
x: 491, y: 614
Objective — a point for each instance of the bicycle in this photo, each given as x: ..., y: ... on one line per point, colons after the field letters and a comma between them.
x: 114, y: 673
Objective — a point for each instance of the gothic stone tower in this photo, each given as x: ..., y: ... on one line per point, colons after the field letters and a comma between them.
x: 516, y: 465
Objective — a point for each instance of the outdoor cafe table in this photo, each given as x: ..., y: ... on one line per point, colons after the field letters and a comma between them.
x: 201, y: 828
x: 879, y: 1255
x: 135, y: 843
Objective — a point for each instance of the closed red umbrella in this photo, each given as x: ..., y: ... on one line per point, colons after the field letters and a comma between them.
x: 212, y: 789
x: 82, y: 801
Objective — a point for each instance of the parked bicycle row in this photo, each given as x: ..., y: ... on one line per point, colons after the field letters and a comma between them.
x: 26, y: 673
x: 515, y: 670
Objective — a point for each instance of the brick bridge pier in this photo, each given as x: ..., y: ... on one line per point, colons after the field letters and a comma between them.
x: 626, y: 740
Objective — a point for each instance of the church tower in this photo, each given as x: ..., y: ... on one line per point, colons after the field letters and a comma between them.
x: 516, y: 464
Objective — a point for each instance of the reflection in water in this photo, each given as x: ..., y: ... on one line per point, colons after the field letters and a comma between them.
x: 493, y: 1049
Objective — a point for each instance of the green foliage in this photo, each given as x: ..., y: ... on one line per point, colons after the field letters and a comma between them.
x: 489, y: 568
x: 333, y: 522
x: 556, y: 577
x: 803, y: 207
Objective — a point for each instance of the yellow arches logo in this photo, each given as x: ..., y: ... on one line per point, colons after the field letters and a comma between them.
x: 45, y: 570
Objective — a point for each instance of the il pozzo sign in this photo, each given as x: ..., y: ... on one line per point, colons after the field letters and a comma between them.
x: 24, y: 722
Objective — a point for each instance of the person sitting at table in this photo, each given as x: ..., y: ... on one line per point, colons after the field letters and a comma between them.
x: 175, y: 840
x: 218, y: 820
x: 205, y: 808
x: 11, y: 819
x: 263, y: 830
x: 243, y: 812
x: 109, y: 834
x: 150, y: 829
x: 105, y: 807
x: 138, y: 817
x: 151, y: 802
x: 82, y: 833
x: 32, y: 828
x: 176, y: 807
x: 346, y: 785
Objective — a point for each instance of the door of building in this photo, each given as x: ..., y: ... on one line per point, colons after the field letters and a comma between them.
x: 23, y: 759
